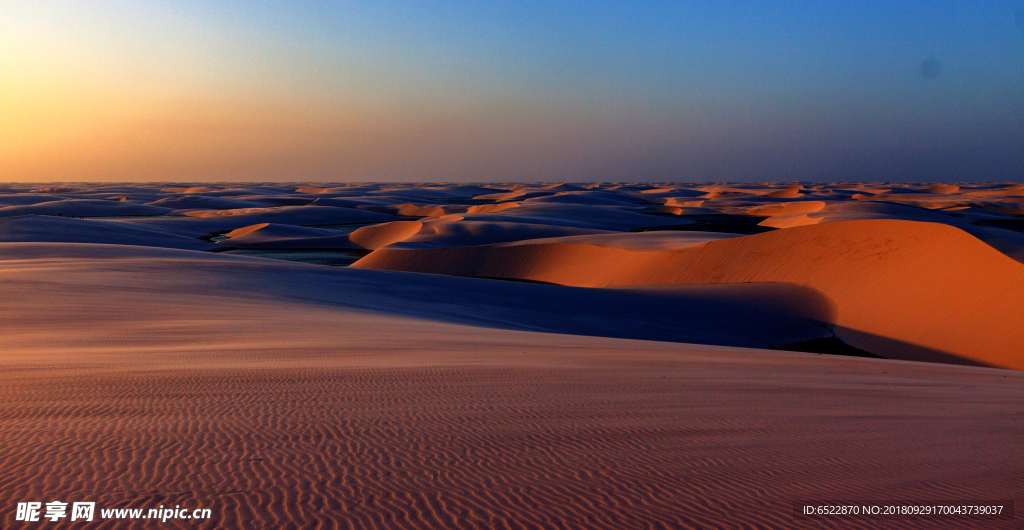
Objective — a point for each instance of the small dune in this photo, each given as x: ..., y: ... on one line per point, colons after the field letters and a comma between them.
x: 417, y: 210
x: 197, y: 202
x: 791, y: 192
x: 448, y: 232
x: 787, y: 208
x: 239, y: 232
x: 382, y: 235
x: 278, y: 236
x: 790, y: 220
x: 943, y: 189
x: 44, y: 228
x: 83, y: 208
x: 492, y: 208
x: 188, y: 190
x: 318, y: 191
x: 683, y: 202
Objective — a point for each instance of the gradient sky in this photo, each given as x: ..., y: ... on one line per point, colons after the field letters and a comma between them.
x: 740, y: 90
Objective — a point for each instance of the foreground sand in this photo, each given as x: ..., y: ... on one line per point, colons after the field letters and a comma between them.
x: 290, y: 396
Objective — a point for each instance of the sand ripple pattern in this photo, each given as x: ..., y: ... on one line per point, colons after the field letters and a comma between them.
x: 652, y: 445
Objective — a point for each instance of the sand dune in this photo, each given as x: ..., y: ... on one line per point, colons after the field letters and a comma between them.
x: 791, y: 220
x: 664, y: 241
x: 239, y: 232
x: 418, y: 210
x: 593, y: 198
x: 186, y: 190
x: 420, y: 193
x: 890, y: 299
x: 684, y: 203
x: 318, y: 191
x: 39, y: 228
x: 382, y: 235
x: 771, y: 315
x: 787, y: 208
x: 791, y: 192
x: 448, y: 232
x: 1008, y: 242
x: 285, y: 215
x: 22, y: 199
x: 515, y: 195
x: 440, y: 232
x: 82, y: 208
x: 564, y: 186
x: 574, y: 215
x: 201, y: 202
x: 274, y: 236
x: 205, y: 212
x: 943, y: 189
x: 296, y: 215
x: 491, y: 208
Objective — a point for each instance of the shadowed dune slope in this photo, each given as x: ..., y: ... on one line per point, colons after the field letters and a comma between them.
x: 459, y: 233
x: 82, y: 208
x: 45, y: 228
x: 902, y: 289
x: 760, y: 316
x: 192, y: 202
x: 275, y: 236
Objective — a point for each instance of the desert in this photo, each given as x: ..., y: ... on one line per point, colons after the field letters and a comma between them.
x: 532, y: 265
x: 517, y: 355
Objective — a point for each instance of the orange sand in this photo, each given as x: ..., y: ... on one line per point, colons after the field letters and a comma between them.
x: 890, y: 296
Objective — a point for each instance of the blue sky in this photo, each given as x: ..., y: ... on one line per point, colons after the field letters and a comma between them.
x: 477, y: 91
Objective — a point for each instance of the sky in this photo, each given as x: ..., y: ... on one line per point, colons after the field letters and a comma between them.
x: 725, y: 90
